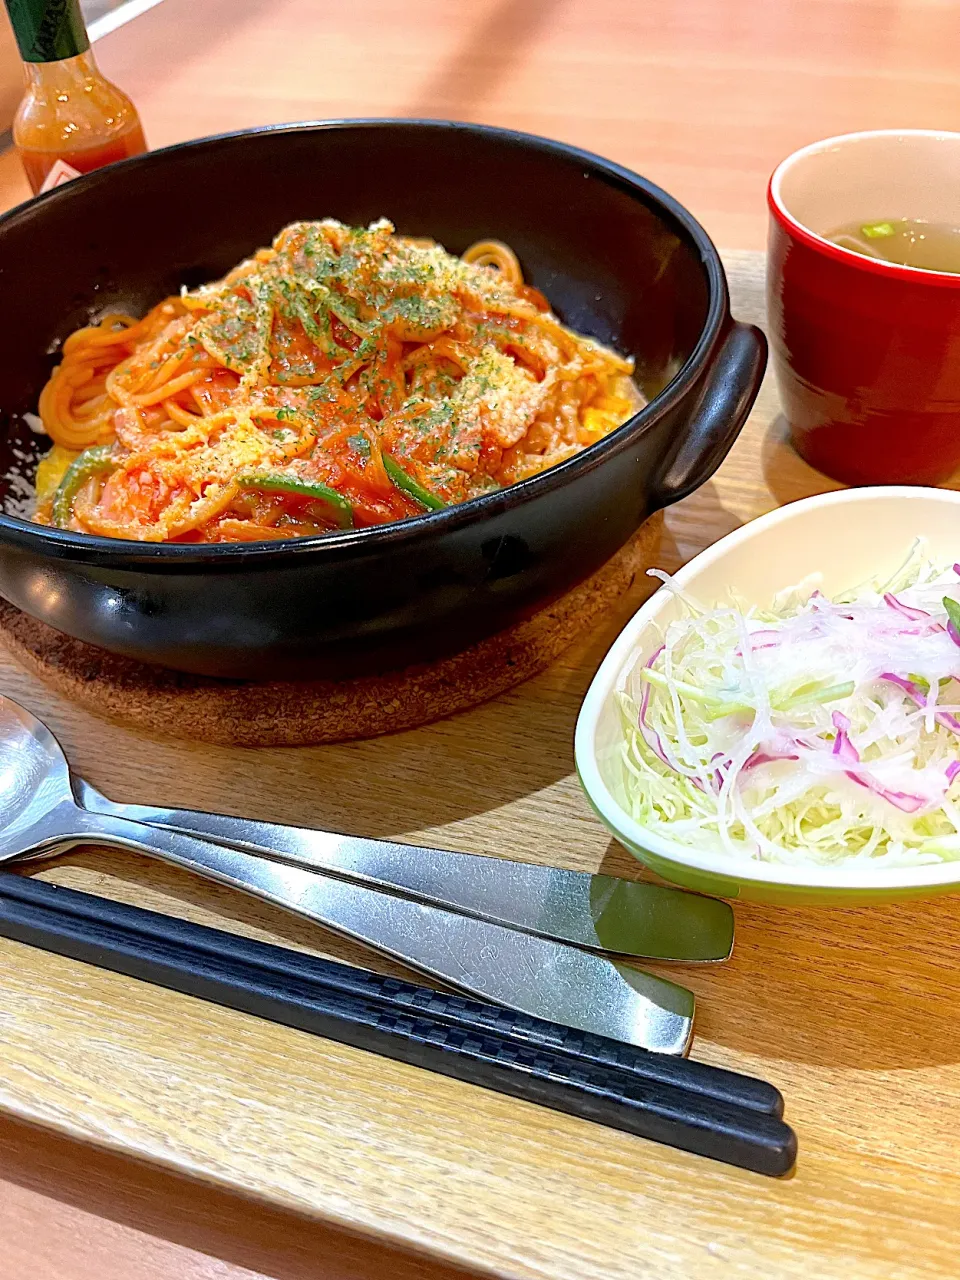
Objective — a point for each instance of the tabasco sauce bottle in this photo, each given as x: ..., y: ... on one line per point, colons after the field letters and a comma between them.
x: 71, y: 119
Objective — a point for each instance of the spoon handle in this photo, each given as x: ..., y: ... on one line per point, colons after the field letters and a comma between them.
x: 532, y: 975
x: 602, y: 912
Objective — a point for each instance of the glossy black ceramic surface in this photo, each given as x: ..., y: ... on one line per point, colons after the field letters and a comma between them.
x: 619, y: 260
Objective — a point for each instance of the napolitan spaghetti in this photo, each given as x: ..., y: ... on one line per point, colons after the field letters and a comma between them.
x: 344, y: 377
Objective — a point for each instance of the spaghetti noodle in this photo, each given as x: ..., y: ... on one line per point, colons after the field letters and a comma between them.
x: 342, y: 378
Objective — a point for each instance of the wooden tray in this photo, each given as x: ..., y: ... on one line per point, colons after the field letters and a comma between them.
x: 852, y: 1013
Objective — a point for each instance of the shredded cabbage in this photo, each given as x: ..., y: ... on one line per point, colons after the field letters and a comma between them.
x: 817, y: 731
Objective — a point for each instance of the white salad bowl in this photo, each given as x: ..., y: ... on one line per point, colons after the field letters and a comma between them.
x: 845, y: 538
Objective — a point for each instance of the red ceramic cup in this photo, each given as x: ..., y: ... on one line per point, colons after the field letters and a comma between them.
x: 867, y: 353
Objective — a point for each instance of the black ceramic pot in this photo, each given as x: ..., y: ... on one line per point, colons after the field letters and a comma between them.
x: 617, y: 257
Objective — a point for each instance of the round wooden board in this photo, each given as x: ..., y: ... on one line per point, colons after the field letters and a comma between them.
x: 287, y: 714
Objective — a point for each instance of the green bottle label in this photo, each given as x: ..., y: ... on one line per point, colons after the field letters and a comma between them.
x: 48, y: 30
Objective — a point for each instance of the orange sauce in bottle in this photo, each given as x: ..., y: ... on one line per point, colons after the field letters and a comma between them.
x: 71, y: 119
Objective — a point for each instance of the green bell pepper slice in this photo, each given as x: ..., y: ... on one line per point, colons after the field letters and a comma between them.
x: 96, y: 461
x: 269, y: 483
x: 409, y: 486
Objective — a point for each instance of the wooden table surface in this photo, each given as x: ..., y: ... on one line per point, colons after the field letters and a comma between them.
x: 349, y: 1165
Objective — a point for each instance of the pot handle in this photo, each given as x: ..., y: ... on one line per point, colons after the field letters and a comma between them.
x: 726, y: 398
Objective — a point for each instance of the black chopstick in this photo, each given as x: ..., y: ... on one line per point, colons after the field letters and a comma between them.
x: 684, y: 1104
x: 454, y: 1010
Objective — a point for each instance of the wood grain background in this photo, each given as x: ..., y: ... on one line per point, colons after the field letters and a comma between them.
x: 702, y: 96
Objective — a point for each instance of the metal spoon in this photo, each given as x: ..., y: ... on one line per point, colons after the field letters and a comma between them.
x: 545, y: 979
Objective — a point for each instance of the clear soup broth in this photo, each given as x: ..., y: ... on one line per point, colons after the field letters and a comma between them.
x: 931, y: 246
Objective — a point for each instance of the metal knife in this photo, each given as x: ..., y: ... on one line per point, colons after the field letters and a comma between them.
x: 602, y: 912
